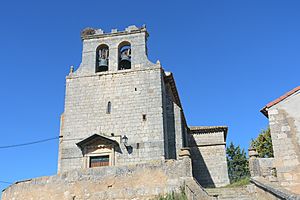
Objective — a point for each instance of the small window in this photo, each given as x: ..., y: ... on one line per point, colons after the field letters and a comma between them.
x: 144, y: 117
x: 108, y: 109
x: 99, y: 161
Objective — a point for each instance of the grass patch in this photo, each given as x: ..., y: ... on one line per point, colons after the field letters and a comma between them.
x: 173, y: 196
x: 239, y: 183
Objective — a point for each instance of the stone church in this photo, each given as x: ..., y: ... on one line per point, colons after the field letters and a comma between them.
x: 123, y: 110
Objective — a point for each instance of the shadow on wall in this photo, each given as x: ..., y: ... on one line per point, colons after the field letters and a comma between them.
x: 200, y: 170
x: 170, y: 137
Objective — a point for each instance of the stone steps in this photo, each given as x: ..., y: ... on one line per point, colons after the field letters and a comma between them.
x: 237, y: 193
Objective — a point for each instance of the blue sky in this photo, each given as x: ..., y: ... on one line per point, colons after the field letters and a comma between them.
x: 229, y: 59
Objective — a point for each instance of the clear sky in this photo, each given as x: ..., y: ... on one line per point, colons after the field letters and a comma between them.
x: 229, y: 59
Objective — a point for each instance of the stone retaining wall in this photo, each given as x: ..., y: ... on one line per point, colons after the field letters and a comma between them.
x: 262, y: 167
x: 142, y: 181
x: 237, y: 193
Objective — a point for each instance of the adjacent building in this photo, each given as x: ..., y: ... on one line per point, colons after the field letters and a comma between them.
x: 284, y: 120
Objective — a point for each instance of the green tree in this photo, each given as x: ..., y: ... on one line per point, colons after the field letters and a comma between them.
x: 238, y: 167
x: 263, y: 144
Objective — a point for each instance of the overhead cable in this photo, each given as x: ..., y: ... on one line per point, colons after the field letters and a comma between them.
x: 29, y: 143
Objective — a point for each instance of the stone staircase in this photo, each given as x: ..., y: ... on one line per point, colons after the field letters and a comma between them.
x: 236, y: 193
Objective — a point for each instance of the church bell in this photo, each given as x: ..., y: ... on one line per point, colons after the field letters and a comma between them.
x: 103, y: 62
x: 102, y: 59
x: 125, y: 57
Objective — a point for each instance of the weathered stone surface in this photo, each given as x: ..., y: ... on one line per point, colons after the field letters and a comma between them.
x: 269, y: 191
x: 143, y: 181
x: 260, y: 189
x: 284, y: 119
x: 238, y: 193
x: 85, y: 114
x: 208, y: 153
x: 262, y: 167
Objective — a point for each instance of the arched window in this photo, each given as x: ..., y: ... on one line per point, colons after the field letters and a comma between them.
x: 102, y: 54
x: 108, y: 109
x: 124, y: 56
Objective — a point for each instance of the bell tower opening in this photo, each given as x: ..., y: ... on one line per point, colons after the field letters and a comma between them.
x: 124, y: 56
x: 102, y: 54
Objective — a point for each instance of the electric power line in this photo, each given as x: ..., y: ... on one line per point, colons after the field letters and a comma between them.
x: 25, y: 144
x: 29, y: 143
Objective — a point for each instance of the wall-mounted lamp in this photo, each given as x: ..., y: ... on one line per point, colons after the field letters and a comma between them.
x: 125, y: 140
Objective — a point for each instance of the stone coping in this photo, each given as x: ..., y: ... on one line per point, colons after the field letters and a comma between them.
x: 274, y: 189
x: 92, y: 33
x: 168, y: 166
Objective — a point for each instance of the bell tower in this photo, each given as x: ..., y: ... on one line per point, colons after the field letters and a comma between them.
x: 115, y: 94
x: 114, y: 51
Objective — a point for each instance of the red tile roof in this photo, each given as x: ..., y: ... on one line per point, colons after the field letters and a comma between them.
x: 276, y: 101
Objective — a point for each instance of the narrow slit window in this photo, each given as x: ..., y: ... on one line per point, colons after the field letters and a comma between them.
x: 108, y: 109
x: 144, y: 117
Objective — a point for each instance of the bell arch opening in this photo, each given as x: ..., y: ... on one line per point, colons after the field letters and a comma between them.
x: 102, y: 55
x: 124, y: 56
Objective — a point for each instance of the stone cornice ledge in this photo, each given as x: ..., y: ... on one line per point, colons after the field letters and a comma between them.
x: 73, y: 76
x: 211, y: 144
x: 274, y: 189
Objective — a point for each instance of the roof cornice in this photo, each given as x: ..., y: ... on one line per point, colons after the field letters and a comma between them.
x: 264, y: 110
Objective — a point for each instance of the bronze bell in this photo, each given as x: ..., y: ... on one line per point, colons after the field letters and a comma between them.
x: 102, y: 65
x: 103, y: 62
x: 125, y: 59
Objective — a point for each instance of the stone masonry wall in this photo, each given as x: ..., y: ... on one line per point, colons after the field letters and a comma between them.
x: 132, y: 94
x: 209, y: 159
x: 179, y: 128
x: 210, y: 166
x: 284, y: 119
x: 169, y: 117
x: 262, y: 167
x: 142, y: 181
x: 237, y: 193
x: 174, y: 126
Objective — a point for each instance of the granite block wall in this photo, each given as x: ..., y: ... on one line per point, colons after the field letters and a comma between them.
x: 142, y: 181
x: 284, y: 119
x: 262, y: 167
x: 132, y: 94
x: 209, y: 162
